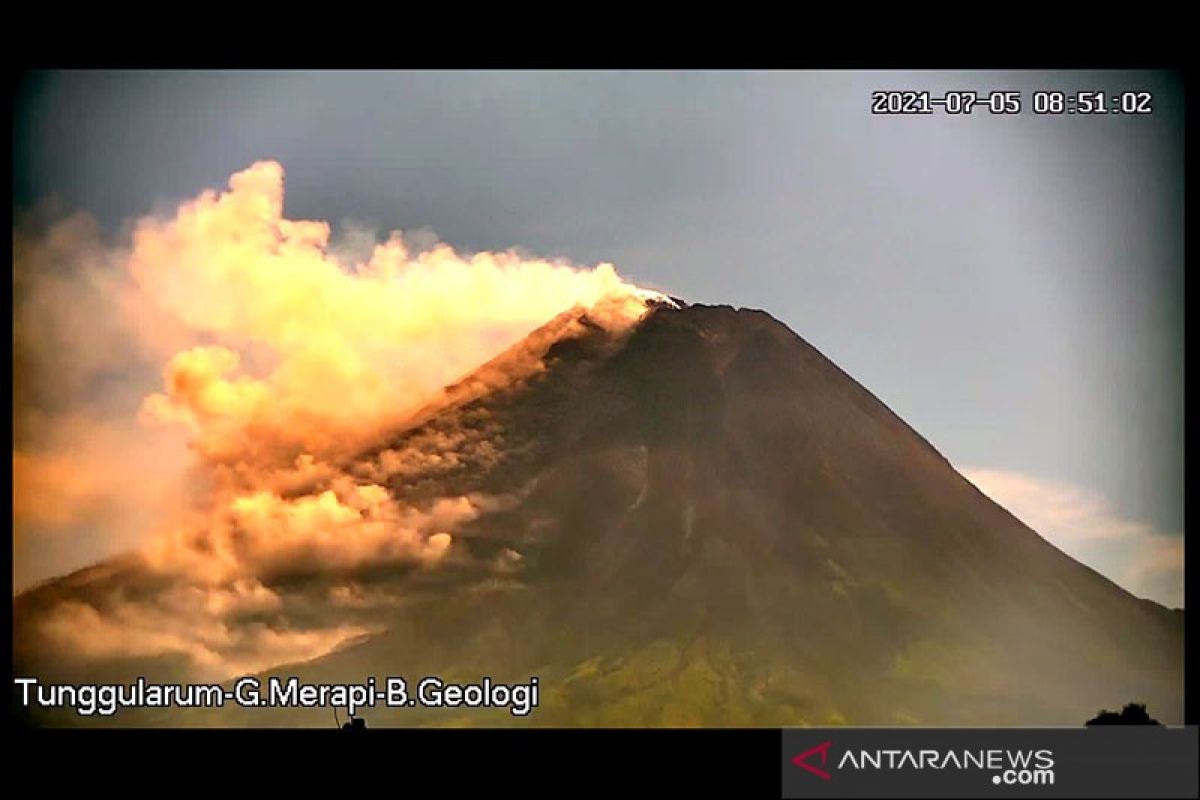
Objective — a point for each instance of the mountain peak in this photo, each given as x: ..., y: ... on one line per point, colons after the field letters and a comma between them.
x: 689, y: 515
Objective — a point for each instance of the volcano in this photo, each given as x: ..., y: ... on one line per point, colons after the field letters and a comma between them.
x: 697, y: 521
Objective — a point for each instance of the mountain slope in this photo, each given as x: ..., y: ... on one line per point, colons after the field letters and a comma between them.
x: 704, y: 521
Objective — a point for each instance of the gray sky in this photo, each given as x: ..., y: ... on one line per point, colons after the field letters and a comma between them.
x: 1011, y: 286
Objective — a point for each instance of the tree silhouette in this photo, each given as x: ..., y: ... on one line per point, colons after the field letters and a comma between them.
x: 1132, y: 714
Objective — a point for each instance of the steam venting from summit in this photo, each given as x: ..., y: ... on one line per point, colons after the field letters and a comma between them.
x: 192, y: 392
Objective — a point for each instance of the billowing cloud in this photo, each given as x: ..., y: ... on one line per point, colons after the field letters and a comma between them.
x: 197, y: 390
x: 208, y: 627
x: 265, y: 536
x: 315, y: 355
x: 1082, y: 523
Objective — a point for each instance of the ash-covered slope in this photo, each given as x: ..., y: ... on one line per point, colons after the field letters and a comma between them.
x: 706, y: 522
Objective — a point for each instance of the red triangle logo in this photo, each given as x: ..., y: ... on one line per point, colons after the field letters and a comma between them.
x: 802, y: 760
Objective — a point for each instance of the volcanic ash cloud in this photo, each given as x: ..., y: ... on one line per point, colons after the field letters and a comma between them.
x: 231, y: 362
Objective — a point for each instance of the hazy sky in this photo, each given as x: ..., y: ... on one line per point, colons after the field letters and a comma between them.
x: 1011, y: 286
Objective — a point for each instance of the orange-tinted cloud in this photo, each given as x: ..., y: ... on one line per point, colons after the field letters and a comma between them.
x: 274, y: 352
x: 201, y: 625
x: 314, y: 355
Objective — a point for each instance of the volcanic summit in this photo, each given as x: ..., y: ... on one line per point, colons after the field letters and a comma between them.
x: 695, y: 520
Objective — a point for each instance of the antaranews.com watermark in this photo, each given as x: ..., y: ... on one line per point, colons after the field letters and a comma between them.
x: 1064, y: 761
x: 105, y: 700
